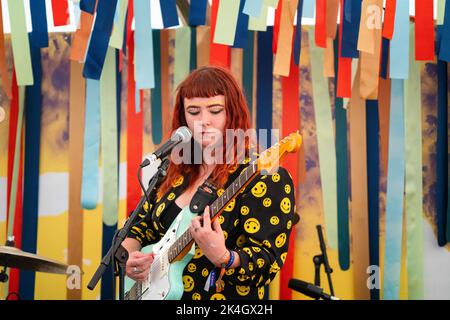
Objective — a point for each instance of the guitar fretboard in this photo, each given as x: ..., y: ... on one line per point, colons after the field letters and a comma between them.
x: 178, y: 246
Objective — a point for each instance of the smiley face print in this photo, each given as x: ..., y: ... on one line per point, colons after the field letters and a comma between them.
x: 259, y: 189
x: 252, y: 225
x: 285, y: 205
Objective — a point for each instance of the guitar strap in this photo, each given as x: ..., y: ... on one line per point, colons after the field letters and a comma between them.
x: 204, y: 196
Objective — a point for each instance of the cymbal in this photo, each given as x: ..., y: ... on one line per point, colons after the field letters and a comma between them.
x: 16, y: 258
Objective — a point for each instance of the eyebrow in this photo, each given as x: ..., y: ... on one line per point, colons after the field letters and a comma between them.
x: 208, y: 106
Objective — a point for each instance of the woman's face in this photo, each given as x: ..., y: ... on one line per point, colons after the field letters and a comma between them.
x: 206, y: 118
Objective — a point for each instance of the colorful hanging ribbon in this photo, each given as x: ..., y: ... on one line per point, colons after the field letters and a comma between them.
x: 20, y: 43
x: 225, y: 27
x: 395, y: 189
x: 81, y: 37
x: 33, y: 105
x: 444, y: 51
x: 247, y: 71
x: 399, y: 48
x: 89, y: 191
x: 252, y: 8
x: 116, y: 40
x: 241, y: 35
x: 424, y: 30
x: 98, y: 45
x: 344, y: 81
x: 359, y: 198
x: 220, y: 54
x: 76, y: 133
x: 144, y: 64
x: 325, y: 141
x: 413, y: 177
x: 350, y: 28
x: 389, y: 19
x: 39, y: 36
x: 283, y: 56
x: 60, y: 10
x: 264, y: 83
x: 373, y: 188
x: 197, y: 13
x: 321, y: 23
x: 341, y: 174
x: 182, y: 60
x: 169, y: 13
x: 298, y: 33
x: 290, y: 123
x: 156, y: 91
x: 88, y: 6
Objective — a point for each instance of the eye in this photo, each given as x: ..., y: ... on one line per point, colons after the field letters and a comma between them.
x: 194, y: 113
x: 216, y: 110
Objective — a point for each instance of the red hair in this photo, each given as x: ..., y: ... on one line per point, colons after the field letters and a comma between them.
x: 207, y: 82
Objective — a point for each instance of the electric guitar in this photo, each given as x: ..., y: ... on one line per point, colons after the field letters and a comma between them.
x: 174, y: 251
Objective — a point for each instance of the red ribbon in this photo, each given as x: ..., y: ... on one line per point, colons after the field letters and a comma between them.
x: 219, y: 54
x: 276, y: 26
x: 344, y: 82
x: 17, y: 228
x: 389, y: 19
x: 424, y: 30
x: 321, y: 23
x: 60, y: 10
x: 290, y: 123
x: 134, y: 134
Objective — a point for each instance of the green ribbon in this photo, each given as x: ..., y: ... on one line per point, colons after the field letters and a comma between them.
x: 325, y: 140
x: 20, y: 43
x: 15, y: 175
x: 182, y: 54
x: 413, y: 176
x: 259, y: 23
x: 440, y: 11
x: 109, y: 138
x: 227, y: 17
x: 116, y: 40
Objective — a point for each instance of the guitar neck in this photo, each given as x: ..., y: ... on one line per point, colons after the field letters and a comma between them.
x: 216, y: 208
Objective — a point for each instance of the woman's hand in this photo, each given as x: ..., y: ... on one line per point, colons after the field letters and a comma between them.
x: 138, y: 265
x: 210, y: 240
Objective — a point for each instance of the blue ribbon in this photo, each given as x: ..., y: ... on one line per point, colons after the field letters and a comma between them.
x: 197, y: 13
x: 169, y: 13
x: 399, y: 49
x: 252, y: 8
x: 89, y: 189
x: 99, y: 41
x: 39, y: 36
x: 308, y: 9
x: 87, y: 6
x: 373, y: 188
x: 341, y: 174
x: 395, y: 190
x: 298, y: 33
x: 33, y: 105
x: 444, y: 52
x: 107, y: 284
x: 143, y: 59
x: 350, y: 28
x: 156, y: 91
x: 442, y: 153
x: 264, y: 84
x: 193, y: 56
x: 384, y: 57
x: 241, y: 34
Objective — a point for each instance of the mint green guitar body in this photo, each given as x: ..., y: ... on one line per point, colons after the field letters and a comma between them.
x: 165, y: 279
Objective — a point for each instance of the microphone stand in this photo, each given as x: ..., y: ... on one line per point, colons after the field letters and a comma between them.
x: 322, y: 259
x: 117, y: 252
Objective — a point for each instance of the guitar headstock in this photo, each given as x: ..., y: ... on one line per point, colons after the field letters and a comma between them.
x: 269, y: 160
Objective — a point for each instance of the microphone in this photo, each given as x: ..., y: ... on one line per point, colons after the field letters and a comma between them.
x: 182, y: 134
x: 310, y: 290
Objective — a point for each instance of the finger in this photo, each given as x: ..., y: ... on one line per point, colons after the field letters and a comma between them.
x: 216, y: 226
x: 207, y: 219
x: 196, y: 223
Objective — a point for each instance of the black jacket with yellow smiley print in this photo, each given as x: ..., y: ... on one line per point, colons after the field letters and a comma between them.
x: 257, y: 225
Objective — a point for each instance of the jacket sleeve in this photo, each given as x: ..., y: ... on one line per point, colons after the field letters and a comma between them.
x: 266, y: 215
x: 143, y: 229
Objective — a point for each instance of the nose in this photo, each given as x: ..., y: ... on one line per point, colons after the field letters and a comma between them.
x: 205, y: 118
